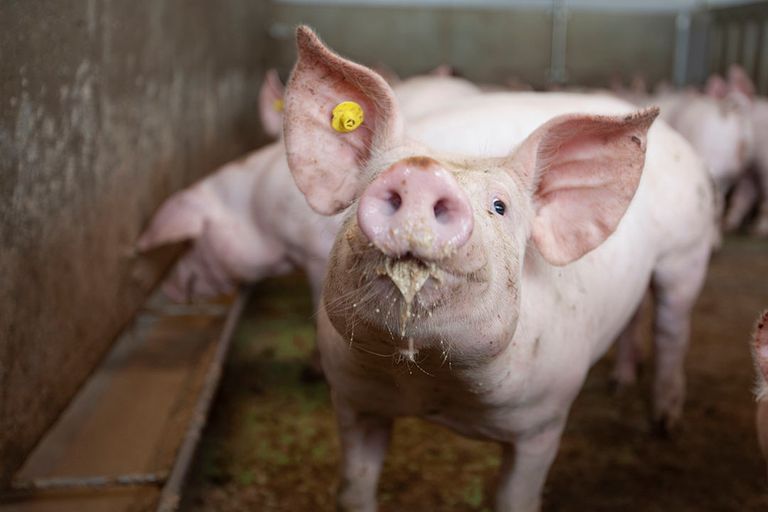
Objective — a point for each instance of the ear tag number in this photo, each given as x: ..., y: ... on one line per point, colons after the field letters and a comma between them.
x: 347, y: 117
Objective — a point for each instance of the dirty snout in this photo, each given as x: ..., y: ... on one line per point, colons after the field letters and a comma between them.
x: 415, y: 208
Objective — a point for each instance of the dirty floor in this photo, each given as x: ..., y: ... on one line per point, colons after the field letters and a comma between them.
x: 271, y: 442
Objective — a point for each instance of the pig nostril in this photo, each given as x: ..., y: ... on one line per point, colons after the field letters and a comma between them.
x: 394, y: 201
x: 441, y: 211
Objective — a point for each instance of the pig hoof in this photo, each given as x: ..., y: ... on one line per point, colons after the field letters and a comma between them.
x: 311, y: 374
x: 664, y: 426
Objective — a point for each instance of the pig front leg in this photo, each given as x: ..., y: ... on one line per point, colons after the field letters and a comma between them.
x: 524, y: 468
x: 364, y: 443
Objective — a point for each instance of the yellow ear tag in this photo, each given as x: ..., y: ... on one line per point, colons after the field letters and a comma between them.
x: 347, y: 117
x: 278, y: 105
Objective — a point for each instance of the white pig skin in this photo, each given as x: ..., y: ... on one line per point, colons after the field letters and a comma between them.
x: 248, y: 221
x: 760, y: 357
x: 501, y: 341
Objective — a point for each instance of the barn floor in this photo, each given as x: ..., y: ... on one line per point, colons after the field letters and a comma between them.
x: 271, y: 443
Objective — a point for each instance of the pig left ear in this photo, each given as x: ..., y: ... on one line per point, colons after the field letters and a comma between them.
x: 583, y: 171
x: 337, y: 115
x: 271, y: 104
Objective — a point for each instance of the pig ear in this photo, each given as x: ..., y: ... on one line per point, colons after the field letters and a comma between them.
x: 271, y: 104
x: 327, y: 164
x: 583, y: 171
x: 760, y: 345
x: 716, y: 87
x: 442, y: 70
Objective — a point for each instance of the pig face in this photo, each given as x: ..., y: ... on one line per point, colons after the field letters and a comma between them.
x: 429, y: 240
x: 431, y: 256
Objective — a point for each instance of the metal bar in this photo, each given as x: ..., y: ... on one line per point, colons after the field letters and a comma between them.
x: 557, y: 71
x: 170, y: 496
x: 682, y: 44
x: 741, y: 35
x: 724, y: 37
x: 640, y: 6
x: 87, y: 482
x: 758, y: 57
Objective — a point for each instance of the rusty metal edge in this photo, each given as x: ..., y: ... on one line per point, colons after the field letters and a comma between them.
x: 170, y: 495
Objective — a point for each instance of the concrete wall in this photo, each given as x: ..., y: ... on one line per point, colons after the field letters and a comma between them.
x: 106, y: 107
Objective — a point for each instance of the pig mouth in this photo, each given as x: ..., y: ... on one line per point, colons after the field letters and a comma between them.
x: 409, y: 275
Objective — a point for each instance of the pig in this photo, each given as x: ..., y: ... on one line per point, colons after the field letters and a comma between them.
x: 717, y: 123
x: 236, y: 236
x: 752, y: 188
x: 760, y: 357
x: 229, y: 215
x: 719, y: 127
x: 489, y: 255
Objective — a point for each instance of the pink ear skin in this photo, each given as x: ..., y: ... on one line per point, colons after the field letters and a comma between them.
x: 271, y: 104
x: 442, y: 70
x: 180, y: 218
x: 716, y: 87
x: 327, y: 165
x: 738, y: 80
x: 584, y: 171
x: 760, y: 344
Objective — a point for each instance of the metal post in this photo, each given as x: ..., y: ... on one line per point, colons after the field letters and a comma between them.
x: 682, y: 44
x: 557, y: 73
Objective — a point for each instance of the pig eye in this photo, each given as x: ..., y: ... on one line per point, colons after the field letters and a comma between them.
x: 499, y: 206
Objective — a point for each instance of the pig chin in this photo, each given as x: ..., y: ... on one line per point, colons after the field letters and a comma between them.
x: 405, y: 297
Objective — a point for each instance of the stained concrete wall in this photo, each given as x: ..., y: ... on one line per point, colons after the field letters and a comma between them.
x: 106, y: 107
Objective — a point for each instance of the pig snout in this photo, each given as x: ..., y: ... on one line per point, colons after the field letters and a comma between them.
x: 415, y: 207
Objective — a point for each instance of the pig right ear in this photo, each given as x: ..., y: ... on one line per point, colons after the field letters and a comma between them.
x: 582, y: 172
x: 716, y: 87
x: 271, y: 104
x: 760, y: 345
x: 327, y: 164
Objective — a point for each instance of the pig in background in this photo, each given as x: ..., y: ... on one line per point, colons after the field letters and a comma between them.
x: 718, y: 123
x: 491, y: 253
x: 760, y: 356
x: 248, y: 221
x: 752, y: 189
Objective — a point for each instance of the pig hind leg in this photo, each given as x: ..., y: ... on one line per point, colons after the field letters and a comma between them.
x: 677, y: 281
x: 743, y: 198
x: 629, y: 352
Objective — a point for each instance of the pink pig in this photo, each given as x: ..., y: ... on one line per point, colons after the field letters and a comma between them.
x: 231, y: 216
x: 760, y: 355
x: 719, y: 126
x: 752, y: 188
x: 491, y: 253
